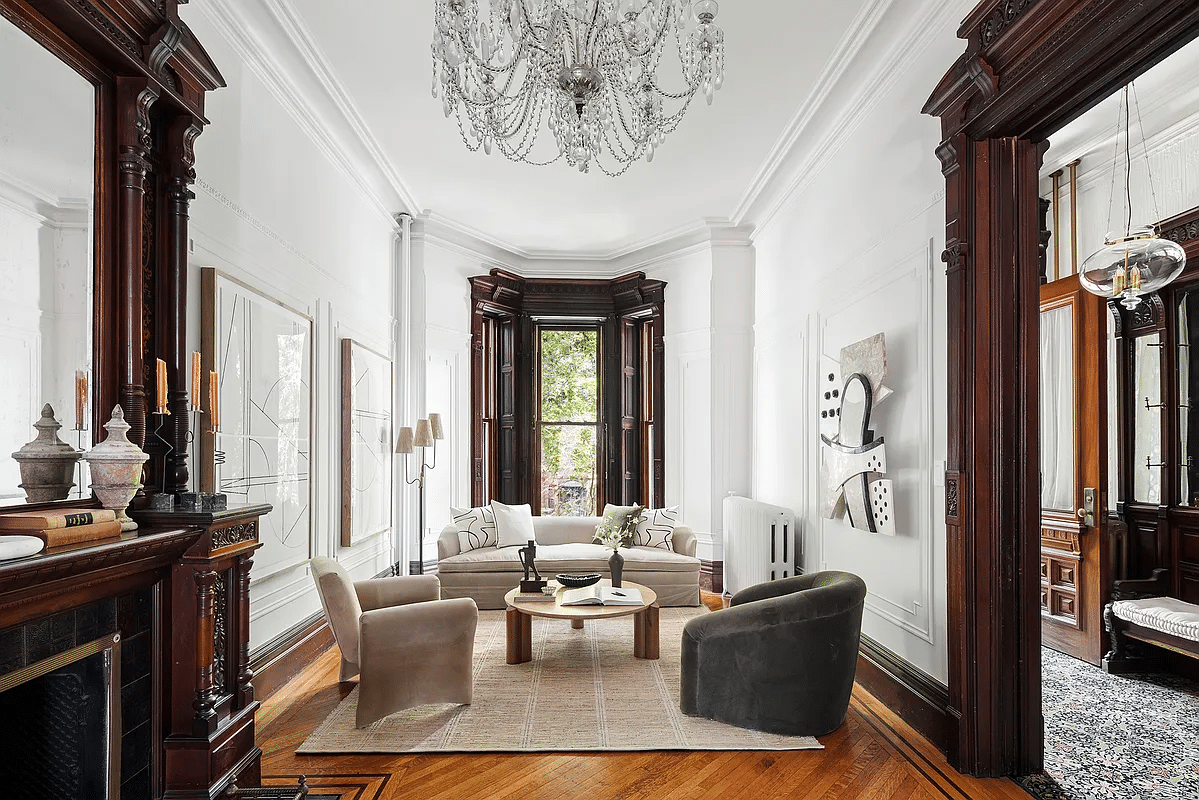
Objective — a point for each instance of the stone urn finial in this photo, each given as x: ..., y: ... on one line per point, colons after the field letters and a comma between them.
x: 47, y: 463
x: 116, y: 465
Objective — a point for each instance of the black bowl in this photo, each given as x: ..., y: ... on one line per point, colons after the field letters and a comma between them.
x: 578, y: 581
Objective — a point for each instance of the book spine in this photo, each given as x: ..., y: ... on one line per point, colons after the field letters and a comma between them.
x: 74, y: 519
x: 56, y: 537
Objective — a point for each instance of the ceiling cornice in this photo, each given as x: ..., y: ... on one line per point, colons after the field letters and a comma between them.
x: 802, y: 163
x: 851, y: 43
x: 313, y: 97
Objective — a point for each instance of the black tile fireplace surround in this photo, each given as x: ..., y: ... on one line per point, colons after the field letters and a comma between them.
x: 32, y: 735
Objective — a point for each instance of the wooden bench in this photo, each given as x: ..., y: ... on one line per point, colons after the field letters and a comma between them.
x: 1142, y: 610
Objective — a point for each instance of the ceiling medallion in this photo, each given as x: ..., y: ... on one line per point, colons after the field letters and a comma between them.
x: 594, y: 70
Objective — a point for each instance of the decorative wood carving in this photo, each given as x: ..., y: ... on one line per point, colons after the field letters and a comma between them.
x: 220, y: 635
x: 234, y: 534
x: 1051, y: 60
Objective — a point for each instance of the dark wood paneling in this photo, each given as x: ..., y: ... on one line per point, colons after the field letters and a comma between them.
x: 288, y: 654
x: 919, y: 700
x: 711, y: 576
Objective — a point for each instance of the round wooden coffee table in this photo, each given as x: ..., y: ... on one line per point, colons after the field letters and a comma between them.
x: 521, y: 613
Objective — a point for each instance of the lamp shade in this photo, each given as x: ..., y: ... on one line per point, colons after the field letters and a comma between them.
x: 435, y: 425
x: 424, y: 436
x: 1131, y: 265
x: 404, y: 444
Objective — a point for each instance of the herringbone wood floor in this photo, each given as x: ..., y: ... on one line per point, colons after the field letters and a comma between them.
x: 873, y: 755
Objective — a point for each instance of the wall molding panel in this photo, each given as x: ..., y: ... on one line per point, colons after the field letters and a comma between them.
x: 914, y: 616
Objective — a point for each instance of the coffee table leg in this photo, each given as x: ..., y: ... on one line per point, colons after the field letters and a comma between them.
x: 645, y: 633
x: 576, y: 623
x: 520, y: 637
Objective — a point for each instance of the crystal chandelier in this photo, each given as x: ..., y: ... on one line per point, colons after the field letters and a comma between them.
x: 594, y: 70
x: 1132, y: 262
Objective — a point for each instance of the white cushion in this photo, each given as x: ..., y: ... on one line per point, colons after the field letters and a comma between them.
x: 1165, y: 614
x: 513, y: 524
x: 475, y: 526
x: 576, y: 557
x: 656, y: 528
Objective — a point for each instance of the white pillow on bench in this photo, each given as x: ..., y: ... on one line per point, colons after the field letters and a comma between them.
x: 1165, y: 614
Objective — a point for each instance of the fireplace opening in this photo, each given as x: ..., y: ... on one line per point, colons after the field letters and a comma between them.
x: 61, y: 725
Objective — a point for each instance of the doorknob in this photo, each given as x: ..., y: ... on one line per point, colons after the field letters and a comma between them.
x: 1087, y: 512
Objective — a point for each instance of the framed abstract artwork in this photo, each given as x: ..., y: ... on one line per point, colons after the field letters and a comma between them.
x: 366, y: 453
x: 260, y: 450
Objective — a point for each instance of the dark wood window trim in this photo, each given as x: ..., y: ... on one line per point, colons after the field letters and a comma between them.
x: 507, y: 311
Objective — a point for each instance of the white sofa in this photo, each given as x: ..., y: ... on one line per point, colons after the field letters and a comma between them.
x: 564, y: 545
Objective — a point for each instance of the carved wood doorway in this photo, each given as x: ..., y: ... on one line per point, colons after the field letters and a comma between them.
x: 1029, y: 67
x: 1075, y: 573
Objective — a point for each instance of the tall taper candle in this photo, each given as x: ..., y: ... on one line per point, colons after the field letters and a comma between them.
x: 214, y: 408
x: 80, y: 398
x: 195, y: 379
x: 162, y: 386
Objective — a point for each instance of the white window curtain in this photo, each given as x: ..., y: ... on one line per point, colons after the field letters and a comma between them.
x: 1057, y: 408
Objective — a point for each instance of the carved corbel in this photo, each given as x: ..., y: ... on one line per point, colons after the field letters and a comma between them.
x: 160, y: 48
x: 954, y: 257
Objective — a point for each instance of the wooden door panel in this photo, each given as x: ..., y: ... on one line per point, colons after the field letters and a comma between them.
x: 1074, y: 561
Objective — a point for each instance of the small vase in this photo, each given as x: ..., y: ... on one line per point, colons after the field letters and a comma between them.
x: 616, y: 567
x: 117, y: 468
x: 47, y: 463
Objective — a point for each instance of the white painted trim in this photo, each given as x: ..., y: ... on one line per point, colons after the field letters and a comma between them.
x: 228, y: 18
x: 883, y: 607
x: 858, y: 102
x: 859, y: 31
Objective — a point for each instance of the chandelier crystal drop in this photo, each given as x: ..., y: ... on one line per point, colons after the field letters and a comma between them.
x: 610, y: 78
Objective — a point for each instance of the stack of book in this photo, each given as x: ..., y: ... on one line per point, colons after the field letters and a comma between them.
x: 61, y: 526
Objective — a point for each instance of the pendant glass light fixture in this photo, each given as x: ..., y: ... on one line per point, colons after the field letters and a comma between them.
x: 1133, y: 262
x: 609, y: 78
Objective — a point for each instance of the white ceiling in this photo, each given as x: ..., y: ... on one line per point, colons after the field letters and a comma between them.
x: 775, y: 53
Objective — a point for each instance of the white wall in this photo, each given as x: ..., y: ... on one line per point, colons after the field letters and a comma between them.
x: 854, y: 253
x: 273, y: 211
x: 45, y: 319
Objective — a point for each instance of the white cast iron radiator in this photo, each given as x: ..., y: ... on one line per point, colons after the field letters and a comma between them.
x: 759, y: 543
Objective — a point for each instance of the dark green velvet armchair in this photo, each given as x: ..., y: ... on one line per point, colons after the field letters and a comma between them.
x: 780, y: 659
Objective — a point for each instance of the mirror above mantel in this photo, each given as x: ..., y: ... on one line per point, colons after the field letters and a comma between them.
x: 47, y: 245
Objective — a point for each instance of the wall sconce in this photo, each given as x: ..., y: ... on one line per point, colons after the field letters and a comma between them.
x: 427, y: 432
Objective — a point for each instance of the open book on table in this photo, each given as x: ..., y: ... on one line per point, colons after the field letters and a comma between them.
x: 597, y: 595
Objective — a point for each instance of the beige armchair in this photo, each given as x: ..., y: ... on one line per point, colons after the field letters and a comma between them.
x: 407, y: 646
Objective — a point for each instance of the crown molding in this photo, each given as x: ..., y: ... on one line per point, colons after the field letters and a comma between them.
x: 312, y: 96
x: 56, y: 212
x: 452, y: 235
x: 860, y: 30
x: 804, y: 162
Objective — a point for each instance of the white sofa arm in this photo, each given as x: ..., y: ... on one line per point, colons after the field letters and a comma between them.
x: 683, y: 541
x: 447, y: 543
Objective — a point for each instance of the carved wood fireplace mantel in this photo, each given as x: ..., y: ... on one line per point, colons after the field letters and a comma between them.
x: 176, y: 593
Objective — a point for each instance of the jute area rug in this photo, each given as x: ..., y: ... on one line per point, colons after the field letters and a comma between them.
x: 582, y: 691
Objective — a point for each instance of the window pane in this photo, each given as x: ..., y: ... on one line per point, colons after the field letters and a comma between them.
x: 568, y: 470
x: 569, y: 387
x: 1147, y: 421
x: 1057, y: 408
